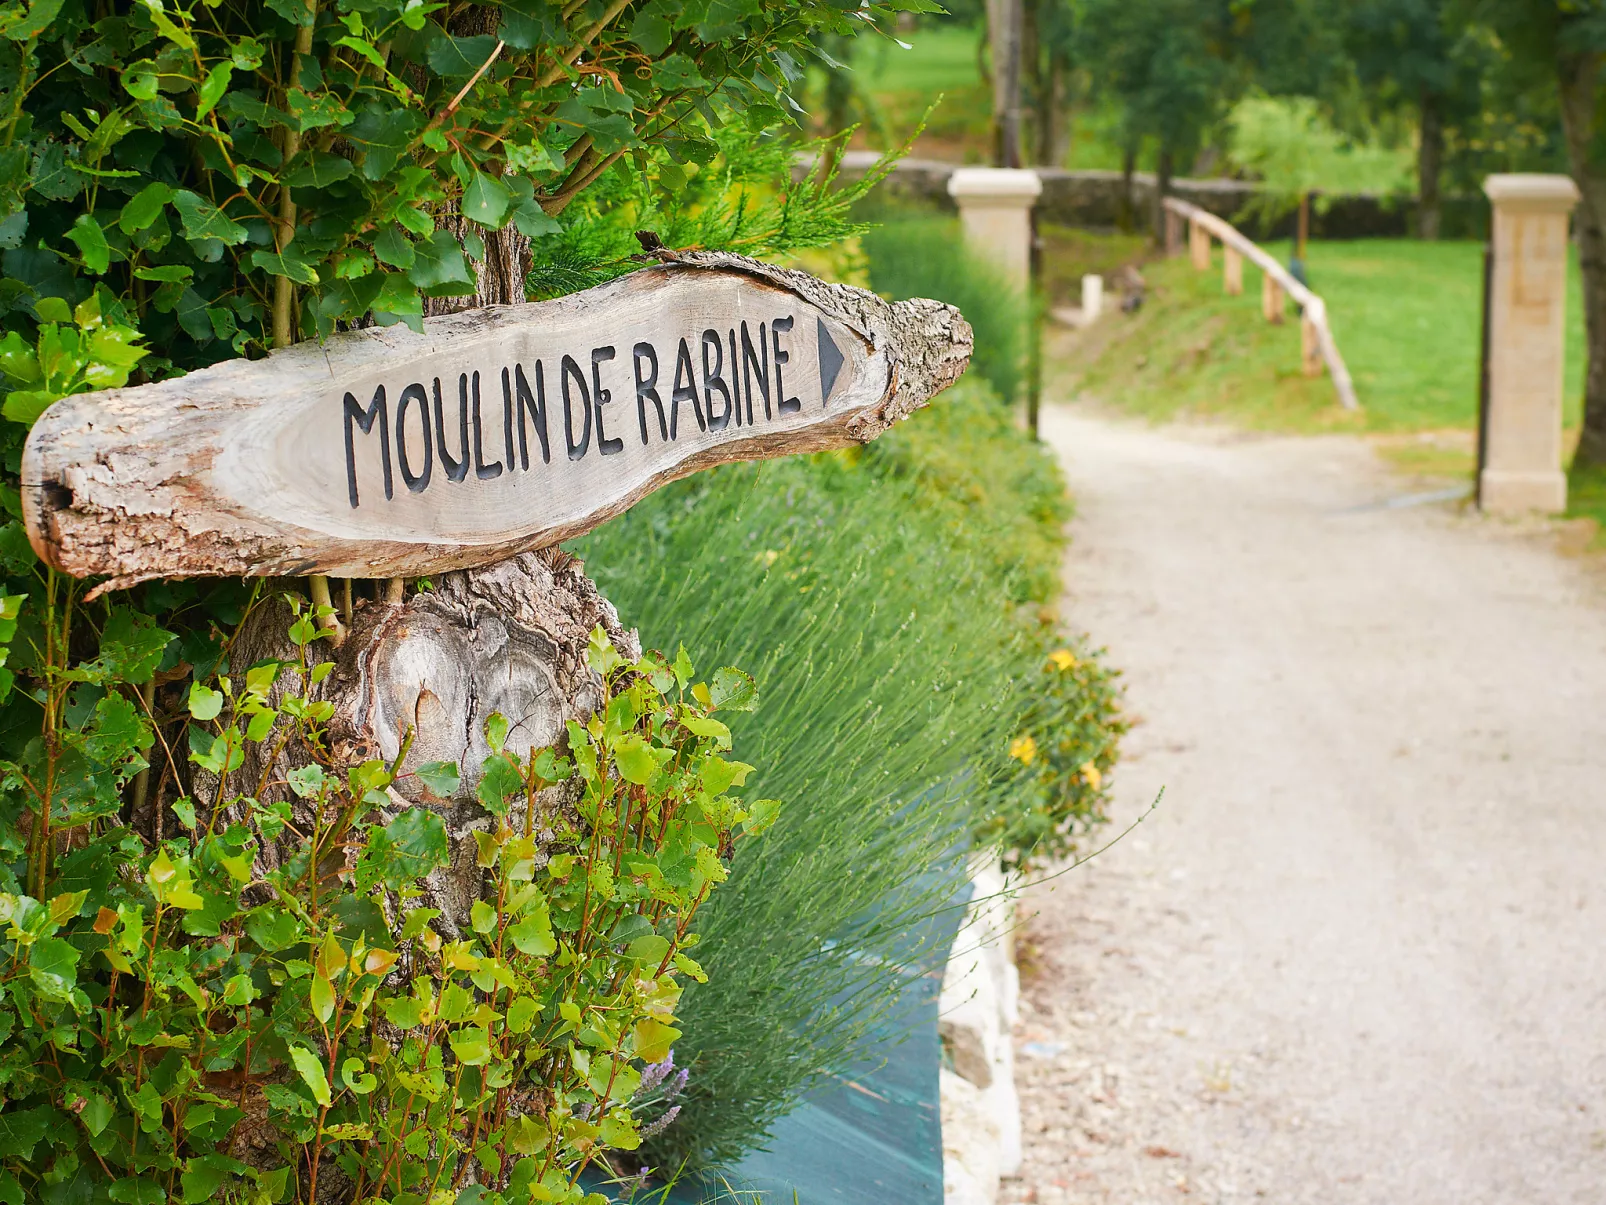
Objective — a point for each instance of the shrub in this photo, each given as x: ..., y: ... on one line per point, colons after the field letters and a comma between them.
x: 187, y: 1022
x: 926, y: 257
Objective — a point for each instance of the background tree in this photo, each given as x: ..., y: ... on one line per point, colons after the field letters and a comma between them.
x: 1410, y: 57
x: 1167, y: 64
x: 1561, y: 46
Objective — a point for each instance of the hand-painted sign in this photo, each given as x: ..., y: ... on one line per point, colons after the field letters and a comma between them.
x: 387, y: 453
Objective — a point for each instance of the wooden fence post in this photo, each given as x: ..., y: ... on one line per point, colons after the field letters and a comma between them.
x: 1199, y: 246
x: 1310, y: 346
x: 1232, y: 270
x: 1271, y: 298
x: 1173, y: 232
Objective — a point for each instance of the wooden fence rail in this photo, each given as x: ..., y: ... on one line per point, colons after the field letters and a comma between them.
x: 1317, y: 344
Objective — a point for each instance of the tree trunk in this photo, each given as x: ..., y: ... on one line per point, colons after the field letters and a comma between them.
x: 1004, y: 23
x: 1128, y: 219
x: 1053, y: 125
x: 1162, y: 189
x: 510, y: 639
x: 1429, y: 158
x: 1579, y: 77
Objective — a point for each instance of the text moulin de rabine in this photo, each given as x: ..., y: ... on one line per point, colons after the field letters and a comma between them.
x: 421, y: 444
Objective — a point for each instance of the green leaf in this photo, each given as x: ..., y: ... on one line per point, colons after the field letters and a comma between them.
x: 404, y: 851
x: 97, y: 1113
x: 383, y: 135
x: 651, y: 948
x: 651, y: 31
x: 499, y: 780
x: 131, y: 645
x: 320, y: 170
x: 393, y: 247
x: 205, y: 703
x: 53, y: 967
x: 404, y: 1012
x: 440, y: 266
x: 21, y: 1129
x: 322, y: 997
x: 635, y: 759
x: 761, y: 814
x: 288, y: 263
x: 311, y: 1069
x: 486, y: 201
x: 459, y: 58
x: 734, y: 690
x: 439, y: 778
x: 213, y: 88
x: 529, y: 219
x: 136, y: 1191
x: 306, y: 781
x: 92, y: 245
x: 482, y: 917
x: 272, y: 929
x: 203, y: 220
x: 205, y: 1174
x: 533, y: 934
x: 471, y: 1046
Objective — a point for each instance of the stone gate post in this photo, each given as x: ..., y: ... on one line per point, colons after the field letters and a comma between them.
x: 1521, y: 468
x: 995, y: 208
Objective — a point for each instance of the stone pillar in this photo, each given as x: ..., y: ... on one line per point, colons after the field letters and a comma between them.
x: 1527, y: 304
x: 995, y: 207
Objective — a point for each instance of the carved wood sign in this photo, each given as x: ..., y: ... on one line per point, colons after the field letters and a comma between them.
x: 387, y: 453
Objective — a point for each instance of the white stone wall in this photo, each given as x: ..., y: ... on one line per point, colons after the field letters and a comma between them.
x: 981, y: 1136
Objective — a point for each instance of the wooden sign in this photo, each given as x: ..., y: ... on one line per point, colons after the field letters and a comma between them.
x: 387, y: 453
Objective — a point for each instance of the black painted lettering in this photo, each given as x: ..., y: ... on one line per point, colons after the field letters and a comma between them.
x: 714, y: 382
x: 647, y: 389
x: 416, y: 482
x: 736, y: 383
x: 571, y: 371
x: 354, y: 413
x: 784, y: 404
x: 482, y: 470
x: 600, y: 397
x: 685, y: 391
x: 507, y: 422
x: 456, y: 468
x: 751, y: 364
x: 533, y: 406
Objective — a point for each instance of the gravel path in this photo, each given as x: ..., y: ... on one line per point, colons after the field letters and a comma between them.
x: 1358, y: 954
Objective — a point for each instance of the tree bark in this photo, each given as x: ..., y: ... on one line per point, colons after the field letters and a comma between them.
x: 1579, y: 77
x: 1429, y: 159
x: 510, y: 638
x: 1128, y: 218
x: 1004, y: 22
x: 1162, y: 189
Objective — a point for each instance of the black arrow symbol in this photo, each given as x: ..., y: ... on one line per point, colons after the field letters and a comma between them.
x: 831, y: 361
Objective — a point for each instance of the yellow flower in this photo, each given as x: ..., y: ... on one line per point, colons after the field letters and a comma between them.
x: 1062, y: 660
x: 1024, y: 749
x: 1091, y: 775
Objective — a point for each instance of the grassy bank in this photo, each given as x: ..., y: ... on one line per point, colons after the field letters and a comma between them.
x: 1405, y: 314
x: 889, y: 603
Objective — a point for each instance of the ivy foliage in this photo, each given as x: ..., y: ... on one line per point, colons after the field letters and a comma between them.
x: 241, y: 175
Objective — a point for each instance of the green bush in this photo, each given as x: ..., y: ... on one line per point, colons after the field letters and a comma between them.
x: 889, y: 601
x: 926, y: 257
x: 188, y: 1019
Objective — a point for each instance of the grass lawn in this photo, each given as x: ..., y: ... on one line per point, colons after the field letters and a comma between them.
x: 943, y: 61
x: 1405, y: 314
